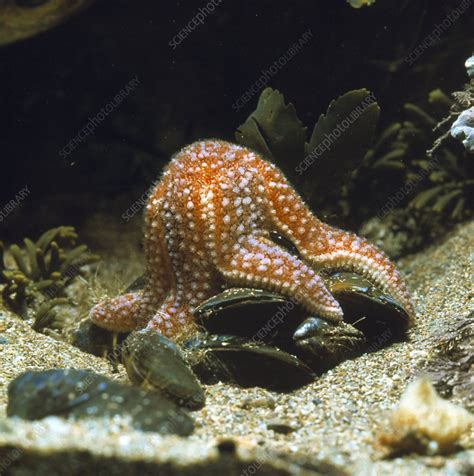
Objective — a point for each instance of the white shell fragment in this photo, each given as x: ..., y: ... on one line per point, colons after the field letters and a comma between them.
x: 425, y: 423
x: 470, y: 66
x: 463, y: 129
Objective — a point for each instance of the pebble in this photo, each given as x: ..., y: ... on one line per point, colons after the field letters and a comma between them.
x: 264, y: 402
x: 279, y: 425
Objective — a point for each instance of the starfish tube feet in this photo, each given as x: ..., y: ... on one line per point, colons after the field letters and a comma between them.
x: 119, y: 314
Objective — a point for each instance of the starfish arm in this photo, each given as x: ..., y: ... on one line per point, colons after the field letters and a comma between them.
x: 119, y: 314
x: 325, y: 247
x: 342, y: 250
x: 158, y: 265
x: 259, y: 262
x: 174, y: 317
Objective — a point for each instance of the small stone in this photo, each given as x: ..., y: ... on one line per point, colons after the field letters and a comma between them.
x: 264, y: 402
x: 280, y: 426
x: 82, y: 394
x: 227, y: 446
x: 435, y: 462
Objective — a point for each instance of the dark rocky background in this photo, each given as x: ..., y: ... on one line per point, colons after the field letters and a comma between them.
x: 51, y: 84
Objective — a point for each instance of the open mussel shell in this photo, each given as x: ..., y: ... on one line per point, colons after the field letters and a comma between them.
x: 323, y: 344
x: 248, y: 312
x: 368, y: 308
x: 235, y: 360
x: 154, y: 362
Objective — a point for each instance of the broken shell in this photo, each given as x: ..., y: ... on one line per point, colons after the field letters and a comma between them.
x: 425, y: 423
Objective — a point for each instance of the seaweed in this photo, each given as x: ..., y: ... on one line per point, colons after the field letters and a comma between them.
x: 337, y: 144
x: 413, y: 166
x: 435, y: 174
x: 274, y: 129
x: 418, y: 172
x: 41, y: 271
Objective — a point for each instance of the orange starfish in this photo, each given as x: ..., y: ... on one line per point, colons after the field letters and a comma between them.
x: 208, y: 222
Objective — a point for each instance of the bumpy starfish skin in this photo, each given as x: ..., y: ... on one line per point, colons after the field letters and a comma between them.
x: 208, y: 222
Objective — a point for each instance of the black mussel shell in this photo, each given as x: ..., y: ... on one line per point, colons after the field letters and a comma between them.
x: 284, y: 242
x: 136, y: 285
x: 154, y: 362
x: 97, y: 341
x: 248, y: 312
x: 85, y: 394
x: 234, y: 360
x: 323, y: 344
x: 367, y: 308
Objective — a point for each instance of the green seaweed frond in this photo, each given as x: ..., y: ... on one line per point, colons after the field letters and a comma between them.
x: 425, y: 158
x: 324, y: 161
x: 40, y: 272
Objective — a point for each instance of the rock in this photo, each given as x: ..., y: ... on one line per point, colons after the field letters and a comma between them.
x: 279, y: 425
x: 84, y: 394
x: 452, y: 366
x: 425, y: 423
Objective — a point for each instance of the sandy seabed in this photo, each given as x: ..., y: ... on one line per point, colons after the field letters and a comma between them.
x: 335, y: 418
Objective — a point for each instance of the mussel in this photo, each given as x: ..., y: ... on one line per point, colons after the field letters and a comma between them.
x: 267, y: 319
x: 254, y: 337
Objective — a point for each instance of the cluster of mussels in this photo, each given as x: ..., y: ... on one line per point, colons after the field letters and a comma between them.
x: 248, y: 337
x: 253, y: 337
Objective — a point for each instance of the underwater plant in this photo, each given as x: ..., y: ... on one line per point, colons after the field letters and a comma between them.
x: 426, y: 160
x: 430, y: 161
x: 323, y: 164
x: 413, y: 167
x: 36, y: 281
x: 463, y: 126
